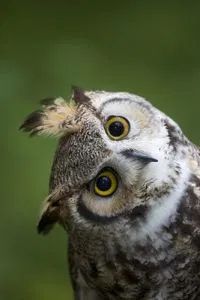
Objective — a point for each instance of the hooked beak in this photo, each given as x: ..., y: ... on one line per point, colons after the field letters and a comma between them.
x: 139, y: 155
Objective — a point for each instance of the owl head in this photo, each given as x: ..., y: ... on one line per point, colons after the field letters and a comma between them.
x: 117, y: 156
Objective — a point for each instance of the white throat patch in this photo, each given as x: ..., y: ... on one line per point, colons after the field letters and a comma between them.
x: 164, y: 211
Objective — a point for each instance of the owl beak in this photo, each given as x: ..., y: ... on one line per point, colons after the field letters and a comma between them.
x: 139, y: 155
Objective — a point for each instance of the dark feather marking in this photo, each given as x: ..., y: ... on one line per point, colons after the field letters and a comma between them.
x: 172, y: 134
x: 35, y: 132
x: 195, y: 180
x: 116, y: 290
x: 145, y: 105
x: 79, y: 95
x: 32, y: 121
x: 86, y: 213
x: 55, y: 212
x: 130, y: 277
x: 48, y: 219
x: 138, y: 211
x: 93, y: 270
x: 188, y: 215
x: 175, y: 137
x: 138, y: 155
x: 196, y: 241
x: 48, y: 101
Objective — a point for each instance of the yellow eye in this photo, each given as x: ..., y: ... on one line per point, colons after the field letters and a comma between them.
x: 106, y: 183
x: 117, y: 128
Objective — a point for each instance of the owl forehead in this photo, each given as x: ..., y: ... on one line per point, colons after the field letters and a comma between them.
x: 80, y: 155
x: 130, y: 106
x: 100, y: 98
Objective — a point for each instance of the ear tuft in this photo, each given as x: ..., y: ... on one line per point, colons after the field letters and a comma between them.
x: 57, y: 118
x: 32, y: 122
x: 54, y: 211
x: 79, y: 95
x: 48, y: 101
x: 50, y: 213
x: 49, y: 217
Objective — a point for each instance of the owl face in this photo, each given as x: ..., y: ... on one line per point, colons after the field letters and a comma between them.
x: 116, y: 160
x: 115, y: 156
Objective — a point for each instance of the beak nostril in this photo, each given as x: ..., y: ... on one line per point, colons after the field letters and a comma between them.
x: 138, y: 155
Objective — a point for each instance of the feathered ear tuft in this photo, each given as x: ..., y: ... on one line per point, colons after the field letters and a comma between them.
x: 79, y: 96
x: 54, y: 211
x: 48, y: 219
x: 49, y: 215
x: 55, y: 118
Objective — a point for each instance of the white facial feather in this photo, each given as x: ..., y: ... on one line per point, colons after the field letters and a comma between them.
x: 147, y: 134
x: 100, y: 97
x: 161, y: 212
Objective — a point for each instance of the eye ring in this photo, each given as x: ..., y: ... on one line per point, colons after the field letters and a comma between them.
x: 117, y: 127
x: 106, y: 183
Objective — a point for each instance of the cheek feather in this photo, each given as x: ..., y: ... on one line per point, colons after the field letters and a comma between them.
x: 111, y: 206
x: 165, y: 209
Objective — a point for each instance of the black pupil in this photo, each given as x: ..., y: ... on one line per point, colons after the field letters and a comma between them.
x: 103, y: 183
x: 116, y: 128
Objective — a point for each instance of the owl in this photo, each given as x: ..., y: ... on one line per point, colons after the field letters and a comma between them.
x: 125, y: 186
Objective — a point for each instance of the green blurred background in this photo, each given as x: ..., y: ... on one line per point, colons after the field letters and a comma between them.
x: 151, y: 48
